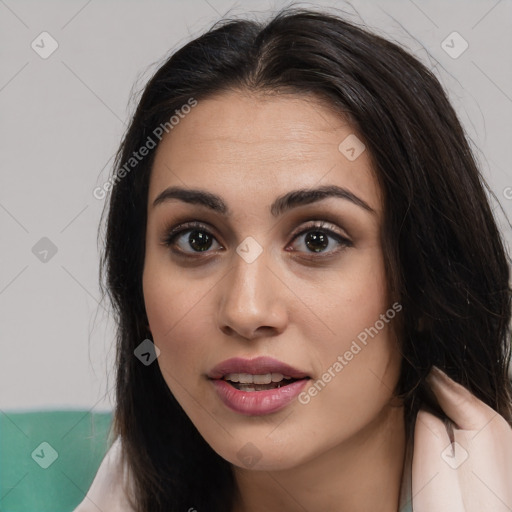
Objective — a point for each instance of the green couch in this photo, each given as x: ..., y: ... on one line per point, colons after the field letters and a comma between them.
x: 48, y: 459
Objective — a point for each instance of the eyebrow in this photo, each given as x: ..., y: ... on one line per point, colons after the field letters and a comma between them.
x: 282, y: 204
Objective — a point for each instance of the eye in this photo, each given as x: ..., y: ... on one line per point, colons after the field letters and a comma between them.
x: 200, y: 239
x: 318, y: 240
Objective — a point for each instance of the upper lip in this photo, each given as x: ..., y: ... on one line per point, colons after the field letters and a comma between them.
x: 257, y: 366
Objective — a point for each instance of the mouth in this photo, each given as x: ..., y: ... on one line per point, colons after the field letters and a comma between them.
x: 248, y: 382
x: 259, y: 374
x: 259, y: 386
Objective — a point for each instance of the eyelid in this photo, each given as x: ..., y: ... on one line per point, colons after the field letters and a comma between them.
x: 321, y: 225
x: 324, y: 220
x: 172, y: 231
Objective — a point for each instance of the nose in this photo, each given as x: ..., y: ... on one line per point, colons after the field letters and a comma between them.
x: 252, y: 300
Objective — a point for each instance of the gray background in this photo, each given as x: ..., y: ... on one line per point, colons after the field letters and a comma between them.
x: 63, y: 116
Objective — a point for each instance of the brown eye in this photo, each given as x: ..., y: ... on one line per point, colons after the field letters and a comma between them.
x: 319, y: 239
x: 193, y: 238
x: 199, y: 239
x: 316, y: 241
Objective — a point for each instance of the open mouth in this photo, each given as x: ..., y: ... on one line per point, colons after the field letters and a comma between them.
x: 248, y: 382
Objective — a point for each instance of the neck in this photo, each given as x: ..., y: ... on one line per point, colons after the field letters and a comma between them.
x: 362, y: 473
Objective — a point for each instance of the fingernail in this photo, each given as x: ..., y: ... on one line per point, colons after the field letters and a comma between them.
x: 436, y: 374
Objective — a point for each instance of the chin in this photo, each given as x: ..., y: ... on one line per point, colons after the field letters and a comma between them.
x: 262, y: 455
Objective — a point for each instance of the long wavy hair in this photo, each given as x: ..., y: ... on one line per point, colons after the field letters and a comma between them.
x: 445, y: 259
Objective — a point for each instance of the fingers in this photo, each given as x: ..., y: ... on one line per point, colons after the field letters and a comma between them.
x: 480, y: 459
x: 459, y: 404
x: 435, y: 486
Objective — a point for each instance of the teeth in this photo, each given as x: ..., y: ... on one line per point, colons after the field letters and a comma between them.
x: 247, y: 378
x: 263, y: 379
x: 277, y: 377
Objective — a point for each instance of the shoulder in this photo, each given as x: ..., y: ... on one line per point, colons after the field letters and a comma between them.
x: 108, y: 489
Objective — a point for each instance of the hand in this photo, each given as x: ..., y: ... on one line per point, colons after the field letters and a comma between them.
x: 472, y: 474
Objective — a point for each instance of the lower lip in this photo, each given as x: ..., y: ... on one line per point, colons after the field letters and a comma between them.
x: 255, y: 403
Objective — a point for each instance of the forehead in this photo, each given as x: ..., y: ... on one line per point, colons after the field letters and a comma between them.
x: 249, y: 148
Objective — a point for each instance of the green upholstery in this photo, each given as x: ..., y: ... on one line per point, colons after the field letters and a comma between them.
x: 48, y: 459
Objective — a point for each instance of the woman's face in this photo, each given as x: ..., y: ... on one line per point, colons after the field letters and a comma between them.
x: 258, y: 280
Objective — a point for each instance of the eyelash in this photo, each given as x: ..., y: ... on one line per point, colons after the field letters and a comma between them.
x: 171, y: 234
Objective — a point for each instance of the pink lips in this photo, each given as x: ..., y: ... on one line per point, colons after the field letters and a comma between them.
x: 258, y: 366
x: 253, y: 403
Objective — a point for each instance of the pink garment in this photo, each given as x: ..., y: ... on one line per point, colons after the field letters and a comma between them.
x: 472, y: 471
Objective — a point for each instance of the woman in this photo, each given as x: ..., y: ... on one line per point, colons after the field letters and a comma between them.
x: 312, y: 294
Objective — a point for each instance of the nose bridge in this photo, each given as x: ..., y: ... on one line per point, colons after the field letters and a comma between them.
x: 249, y: 279
x: 250, y: 298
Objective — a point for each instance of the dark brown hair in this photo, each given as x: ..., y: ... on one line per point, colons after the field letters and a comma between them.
x: 445, y: 259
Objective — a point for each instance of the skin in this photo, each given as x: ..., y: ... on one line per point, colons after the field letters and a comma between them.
x: 344, y: 450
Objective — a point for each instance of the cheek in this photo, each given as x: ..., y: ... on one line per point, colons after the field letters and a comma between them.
x: 359, y: 361
x: 177, y: 318
x: 357, y: 383
x: 353, y: 299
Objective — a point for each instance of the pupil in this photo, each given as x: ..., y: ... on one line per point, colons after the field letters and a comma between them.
x: 196, y: 238
x: 315, y: 237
